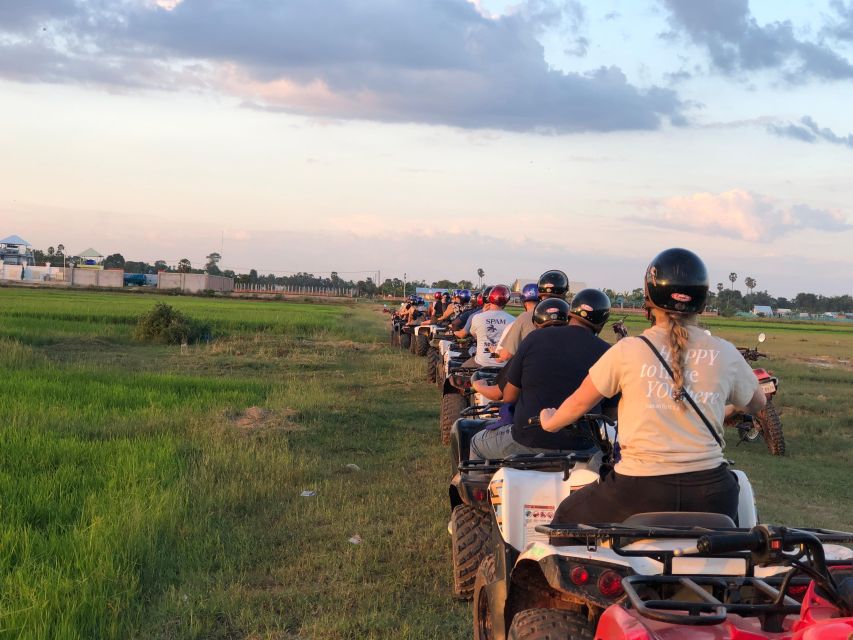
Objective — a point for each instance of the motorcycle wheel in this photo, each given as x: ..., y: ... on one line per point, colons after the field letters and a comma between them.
x: 771, y: 428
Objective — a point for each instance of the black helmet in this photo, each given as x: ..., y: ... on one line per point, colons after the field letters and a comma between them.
x: 677, y: 280
x: 592, y: 307
x: 553, y: 284
x: 551, y: 311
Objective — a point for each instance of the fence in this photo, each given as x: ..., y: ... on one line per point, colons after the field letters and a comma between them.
x: 295, y: 290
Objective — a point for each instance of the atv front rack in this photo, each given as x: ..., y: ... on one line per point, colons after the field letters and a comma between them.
x: 619, y: 536
x: 715, y: 598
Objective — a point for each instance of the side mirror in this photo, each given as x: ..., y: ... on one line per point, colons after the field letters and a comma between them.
x: 761, y: 337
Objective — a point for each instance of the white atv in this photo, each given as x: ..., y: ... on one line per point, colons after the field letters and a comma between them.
x: 577, y: 571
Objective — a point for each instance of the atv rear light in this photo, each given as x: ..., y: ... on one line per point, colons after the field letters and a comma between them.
x: 798, y: 590
x: 579, y: 576
x: 479, y: 495
x: 610, y: 584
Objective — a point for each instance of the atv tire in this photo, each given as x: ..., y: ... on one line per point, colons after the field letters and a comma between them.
x: 470, y: 531
x: 482, y: 606
x: 771, y: 428
x: 405, y: 340
x: 549, y: 624
x: 413, y: 340
x: 432, y: 366
x: 452, y: 405
x: 422, y: 344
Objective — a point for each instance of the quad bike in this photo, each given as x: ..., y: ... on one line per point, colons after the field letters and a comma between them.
x: 766, y: 423
x: 542, y: 579
x: 470, y: 523
x: 813, y: 600
x: 422, y: 337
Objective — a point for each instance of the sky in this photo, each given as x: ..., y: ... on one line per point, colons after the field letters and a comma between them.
x: 436, y: 137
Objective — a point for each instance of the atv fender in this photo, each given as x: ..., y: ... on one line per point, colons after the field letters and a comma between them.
x: 448, y: 388
x: 747, y: 512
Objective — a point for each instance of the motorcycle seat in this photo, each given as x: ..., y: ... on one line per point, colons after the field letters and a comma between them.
x: 680, y: 519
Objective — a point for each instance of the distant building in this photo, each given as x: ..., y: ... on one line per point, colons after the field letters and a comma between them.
x: 784, y: 312
x: 91, y: 259
x: 14, y: 250
x: 762, y: 311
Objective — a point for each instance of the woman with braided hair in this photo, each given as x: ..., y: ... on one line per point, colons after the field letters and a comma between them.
x: 676, y: 382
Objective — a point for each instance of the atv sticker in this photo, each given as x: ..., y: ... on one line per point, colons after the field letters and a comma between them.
x: 536, y: 514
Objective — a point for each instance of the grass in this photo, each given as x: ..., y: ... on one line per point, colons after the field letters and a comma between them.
x: 141, y: 499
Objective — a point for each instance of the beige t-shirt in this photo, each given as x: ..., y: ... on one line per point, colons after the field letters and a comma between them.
x: 516, y: 332
x: 658, y: 435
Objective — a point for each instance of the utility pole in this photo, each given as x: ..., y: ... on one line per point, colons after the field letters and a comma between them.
x: 404, y: 284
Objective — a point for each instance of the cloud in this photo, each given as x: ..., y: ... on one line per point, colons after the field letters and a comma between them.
x: 741, y: 214
x: 736, y: 42
x: 809, y: 131
x: 433, y: 61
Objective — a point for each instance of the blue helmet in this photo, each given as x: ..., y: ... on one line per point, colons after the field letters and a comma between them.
x: 419, y: 300
x: 464, y: 296
x: 413, y: 298
x: 530, y: 292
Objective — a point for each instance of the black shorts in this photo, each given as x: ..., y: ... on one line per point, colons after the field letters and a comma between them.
x: 616, y: 497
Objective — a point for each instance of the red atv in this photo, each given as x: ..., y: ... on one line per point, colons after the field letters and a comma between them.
x: 813, y: 601
x: 767, y: 423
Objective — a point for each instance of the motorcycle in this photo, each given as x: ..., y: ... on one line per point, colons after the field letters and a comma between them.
x: 767, y: 423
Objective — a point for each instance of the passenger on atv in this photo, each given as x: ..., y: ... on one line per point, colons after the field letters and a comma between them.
x: 551, y: 360
x: 675, y: 383
x: 551, y: 284
x: 487, y: 327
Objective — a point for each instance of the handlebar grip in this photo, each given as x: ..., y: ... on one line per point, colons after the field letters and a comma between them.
x: 729, y: 542
x: 533, y: 422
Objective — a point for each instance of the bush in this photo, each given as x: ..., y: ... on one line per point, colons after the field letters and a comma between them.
x: 165, y: 324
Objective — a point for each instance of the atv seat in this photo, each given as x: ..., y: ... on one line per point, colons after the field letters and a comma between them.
x: 680, y: 519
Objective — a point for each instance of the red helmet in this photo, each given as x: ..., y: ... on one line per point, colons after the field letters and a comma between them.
x: 437, y: 295
x: 499, y: 295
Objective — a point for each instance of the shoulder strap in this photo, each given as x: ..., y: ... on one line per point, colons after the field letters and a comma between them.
x: 684, y: 393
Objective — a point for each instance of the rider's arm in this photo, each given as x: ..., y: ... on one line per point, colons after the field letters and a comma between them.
x: 511, y: 393
x: 573, y: 407
x: 489, y: 391
x: 757, y: 402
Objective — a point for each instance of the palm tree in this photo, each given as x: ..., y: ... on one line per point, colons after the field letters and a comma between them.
x: 733, y: 278
x: 480, y: 274
x: 719, y: 287
x: 750, y: 283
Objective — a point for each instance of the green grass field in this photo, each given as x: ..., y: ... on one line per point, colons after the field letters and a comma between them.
x: 140, y: 498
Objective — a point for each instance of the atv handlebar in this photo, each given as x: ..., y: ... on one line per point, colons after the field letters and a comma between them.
x: 586, y: 420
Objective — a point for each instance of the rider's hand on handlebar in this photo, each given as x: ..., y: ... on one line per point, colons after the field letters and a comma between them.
x: 546, y: 417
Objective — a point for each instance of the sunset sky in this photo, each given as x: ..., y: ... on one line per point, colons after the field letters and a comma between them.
x: 433, y: 137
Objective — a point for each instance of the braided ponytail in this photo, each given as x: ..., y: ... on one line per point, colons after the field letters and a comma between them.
x: 678, y: 347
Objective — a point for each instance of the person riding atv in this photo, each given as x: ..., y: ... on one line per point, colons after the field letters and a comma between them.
x: 488, y: 327
x: 551, y: 284
x: 551, y: 361
x: 675, y: 382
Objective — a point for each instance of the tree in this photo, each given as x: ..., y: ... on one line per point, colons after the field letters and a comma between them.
x: 184, y: 265
x: 733, y: 278
x: 114, y: 261
x: 719, y: 287
x: 480, y: 275
x: 750, y: 283
x: 212, y: 266
x: 465, y: 284
x: 50, y: 251
x: 160, y: 265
